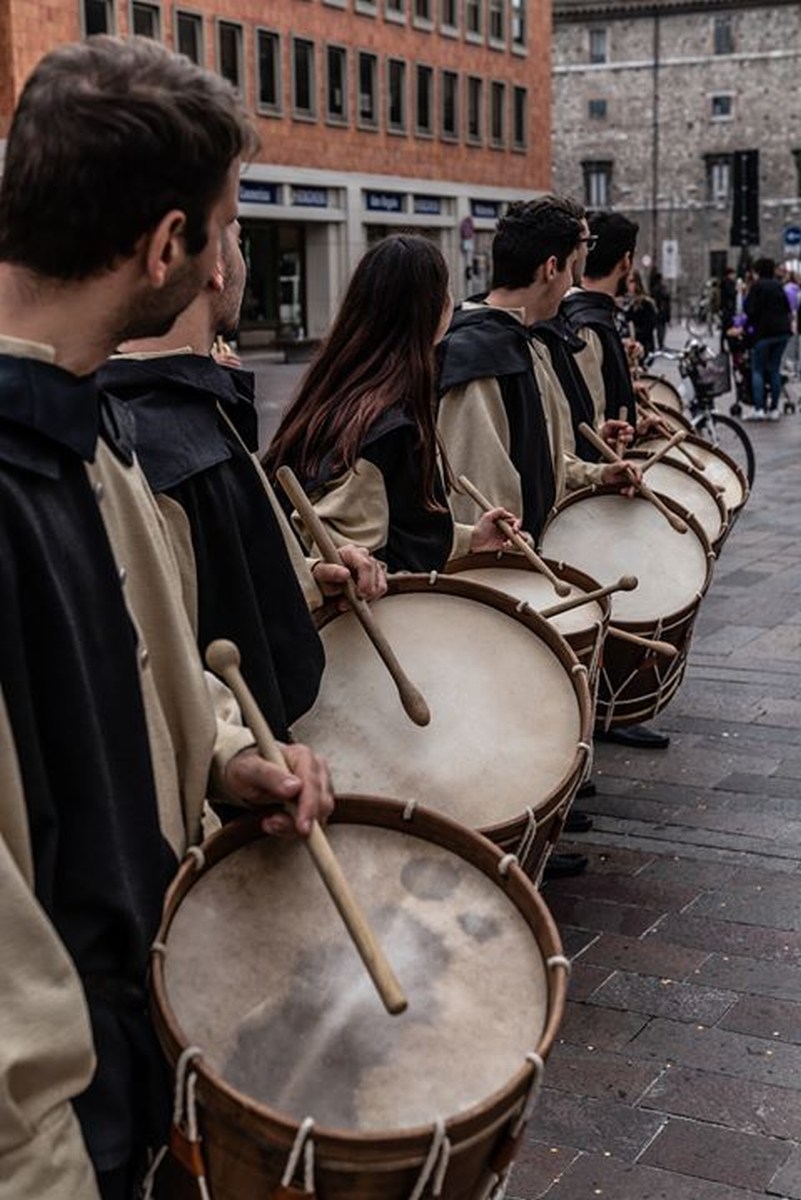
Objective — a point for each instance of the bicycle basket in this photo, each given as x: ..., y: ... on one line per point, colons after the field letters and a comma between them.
x: 713, y: 375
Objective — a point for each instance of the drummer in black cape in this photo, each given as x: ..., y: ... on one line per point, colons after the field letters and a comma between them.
x: 196, y: 438
x: 591, y: 312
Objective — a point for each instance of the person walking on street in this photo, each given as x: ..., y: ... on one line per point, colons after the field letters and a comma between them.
x: 768, y: 310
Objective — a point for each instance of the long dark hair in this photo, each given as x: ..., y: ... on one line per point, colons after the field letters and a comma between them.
x: 378, y: 353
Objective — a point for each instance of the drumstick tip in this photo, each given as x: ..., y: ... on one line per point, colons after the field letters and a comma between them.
x: 627, y: 583
x: 221, y: 655
x: 561, y: 589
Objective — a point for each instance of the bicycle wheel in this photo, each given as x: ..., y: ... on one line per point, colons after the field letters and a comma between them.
x: 729, y: 434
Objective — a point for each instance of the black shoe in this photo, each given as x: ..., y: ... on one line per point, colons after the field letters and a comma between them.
x: 587, y: 789
x: 578, y: 822
x: 639, y: 736
x: 560, y: 865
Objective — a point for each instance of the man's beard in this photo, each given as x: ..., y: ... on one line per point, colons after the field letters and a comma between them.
x: 154, y: 314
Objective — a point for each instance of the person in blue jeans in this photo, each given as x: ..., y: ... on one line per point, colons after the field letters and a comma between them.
x: 768, y: 311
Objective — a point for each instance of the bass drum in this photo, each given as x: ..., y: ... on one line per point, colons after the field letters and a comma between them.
x: 717, y: 467
x: 662, y: 393
x: 287, y: 1066
x: 692, y: 491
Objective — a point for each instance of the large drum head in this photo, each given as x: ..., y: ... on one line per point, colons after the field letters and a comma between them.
x: 690, y: 489
x: 608, y: 535
x: 259, y: 973
x: 719, y: 470
x: 661, y: 392
x: 498, y: 691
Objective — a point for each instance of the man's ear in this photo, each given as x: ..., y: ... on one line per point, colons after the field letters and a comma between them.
x: 550, y: 268
x: 165, y: 247
x: 216, y: 281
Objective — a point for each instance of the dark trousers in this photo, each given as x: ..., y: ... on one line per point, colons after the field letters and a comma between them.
x: 766, y: 362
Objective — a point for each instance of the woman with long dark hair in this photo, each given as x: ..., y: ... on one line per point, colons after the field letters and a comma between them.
x: 361, y: 432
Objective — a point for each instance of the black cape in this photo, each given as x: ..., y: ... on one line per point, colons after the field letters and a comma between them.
x: 247, y: 587
x: 69, y: 672
x: 487, y: 343
x: 563, y: 346
x: 598, y: 312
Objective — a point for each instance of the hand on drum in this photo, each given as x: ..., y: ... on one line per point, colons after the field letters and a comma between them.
x: 367, y: 573
x: 259, y: 783
x: 487, y: 536
x: 625, y: 476
x: 617, y: 434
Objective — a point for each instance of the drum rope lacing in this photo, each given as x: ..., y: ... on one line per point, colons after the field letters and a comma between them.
x: 304, y: 1144
x: 436, y: 1163
x: 184, y: 1116
x: 196, y: 853
x: 497, y: 1185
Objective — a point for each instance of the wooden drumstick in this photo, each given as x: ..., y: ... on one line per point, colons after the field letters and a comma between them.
x: 608, y: 453
x: 667, y: 430
x: 560, y: 587
x: 663, y: 648
x: 622, y: 415
x: 659, y: 454
x: 222, y: 658
x: 626, y: 583
x: 411, y: 698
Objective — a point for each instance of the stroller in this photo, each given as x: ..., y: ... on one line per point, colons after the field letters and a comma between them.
x: 740, y: 351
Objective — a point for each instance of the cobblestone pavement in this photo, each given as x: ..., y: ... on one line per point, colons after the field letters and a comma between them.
x: 677, y: 1072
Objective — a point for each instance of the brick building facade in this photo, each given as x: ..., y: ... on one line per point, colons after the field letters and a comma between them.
x: 652, y: 100
x: 374, y: 115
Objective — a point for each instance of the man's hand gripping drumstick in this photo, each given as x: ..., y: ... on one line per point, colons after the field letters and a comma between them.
x: 635, y: 476
x: 222, y: 658
x: 516, y: 539
x: 411, y: 698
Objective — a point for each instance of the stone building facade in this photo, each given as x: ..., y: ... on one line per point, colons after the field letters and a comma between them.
x: 652, y: 101
x: 374, y: 115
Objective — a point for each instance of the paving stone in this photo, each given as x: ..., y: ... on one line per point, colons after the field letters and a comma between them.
x: 607, y: 861
x: 787, y: 1180
x: 600, y: 1028
x: 600, y: 1074
x: 647, y: 844
x: 575, y: 940
x: 720, y: 1155
x: 596, y: 1175
x: 666, y: 897
x: 664, y: 998
x: 537, y: 1168
x: 723, y: 1100
x: 760, y: 783
x: 735, y: 1054
x: 764, y: 1017
x: 602, y: 915
x: 776, y: 905
x: 585, y: 979
x: 589, y: 1124
x: 729, y: 937
x: 648, y: 955
x: 750, y: 975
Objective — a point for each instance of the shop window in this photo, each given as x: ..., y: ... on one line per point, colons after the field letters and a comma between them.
x: 368, y: 91
x: 396, y: 95
x: 229, y: 53
x: 475, y: 102
x: 519, y: 33
x: 597, y: 110
x: 597, y: 184
x: 275, y: 292
x: 303, y: 99
x: 497, y: 21
x: 599, y: 46
x: 450, y: 106
x: 189, y: 35
x: 472, y: 19
x: 424, y: 101
x: 98, y: 16
x: 336, y: 84
x: 146, y: 20
x: 497, y: 114
x: 268, y: 66
x: 723, y: 34
x: 519, y: 118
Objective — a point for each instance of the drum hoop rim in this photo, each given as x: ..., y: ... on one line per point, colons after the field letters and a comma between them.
x: 700, y: 443
x: 516, y: 885
x: 640, y: 455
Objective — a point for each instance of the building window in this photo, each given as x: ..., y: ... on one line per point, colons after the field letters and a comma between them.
x: 519, y: 118
x: 597, y: 183
x: 395, y: 10
x: 268, y: 69
x: 146, y: 20
x: 422, y: 11
x: 189, y: 36
x: 368, y: 90
x: 367, y: 7
x: 303, y: 99
x: 449, y: 14
x: 723, y: 35
x: 472, y: 18
x: 718, y: 177
x: 229, y: 53
x: 475, y: 102
x: 396, y: 95
x: 450, y: 105
x: 597, y: 110
x: 497, y: 21
x: 518, y: 24
x: 599, y: 46
x: 497, y: 107
x: 98, y: 16
x: 424, y: 101
x: 722, y: 108
x: 336, y: 84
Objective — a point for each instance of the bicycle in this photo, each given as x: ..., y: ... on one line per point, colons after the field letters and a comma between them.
x: 709, y: 375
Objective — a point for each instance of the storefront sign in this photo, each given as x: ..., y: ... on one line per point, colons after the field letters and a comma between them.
x: 256, y: 191
x: 388, y: 202
x: 429, y: 206
x: 486, y: 210
x: 310, y: 197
